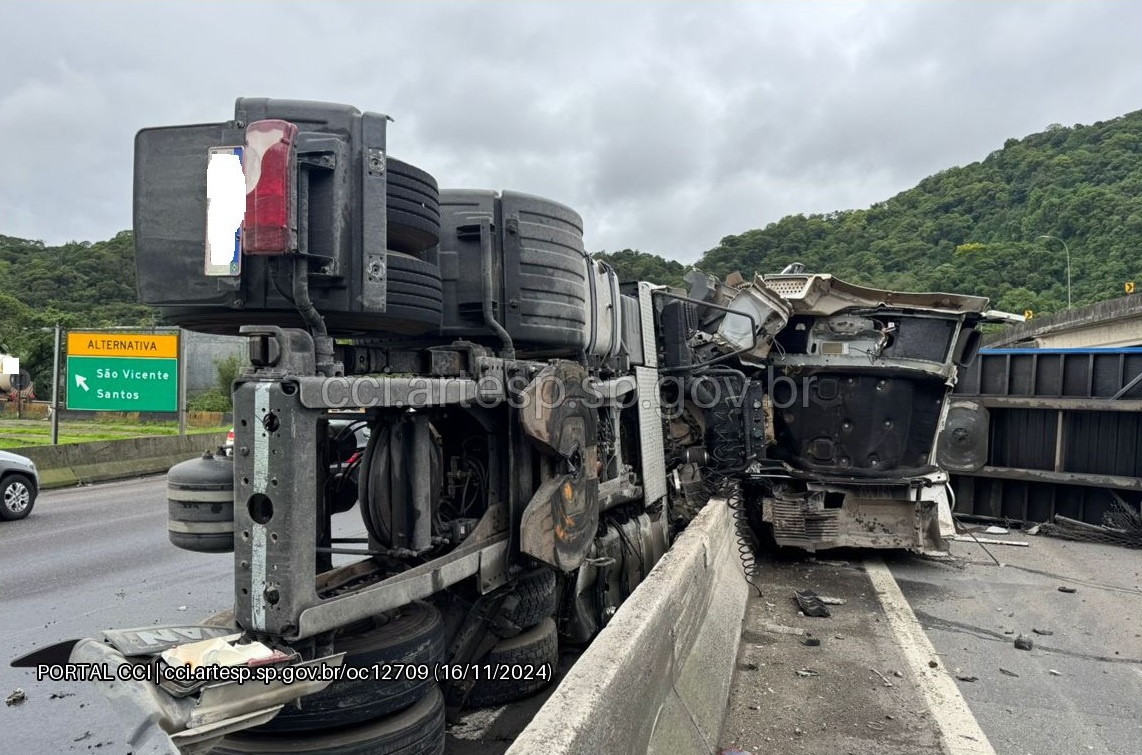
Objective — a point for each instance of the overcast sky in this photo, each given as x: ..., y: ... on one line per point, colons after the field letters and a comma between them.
x: 667, y: 125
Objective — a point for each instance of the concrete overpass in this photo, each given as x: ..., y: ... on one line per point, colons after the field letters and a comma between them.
x: 1114, y: 323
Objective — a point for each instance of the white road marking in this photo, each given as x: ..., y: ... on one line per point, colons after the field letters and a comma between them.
x: 959, y: 729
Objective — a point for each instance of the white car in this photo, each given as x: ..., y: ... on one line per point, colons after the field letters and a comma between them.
x: 19, y: 485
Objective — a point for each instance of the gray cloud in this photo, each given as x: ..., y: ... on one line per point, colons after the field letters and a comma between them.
x: 667, y: 125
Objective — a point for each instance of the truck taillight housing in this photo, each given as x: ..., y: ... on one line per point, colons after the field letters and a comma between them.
x: 271, y: 194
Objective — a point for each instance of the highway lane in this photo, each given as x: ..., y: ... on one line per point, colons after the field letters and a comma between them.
x: 1079, y: 690
x: 89, y: 559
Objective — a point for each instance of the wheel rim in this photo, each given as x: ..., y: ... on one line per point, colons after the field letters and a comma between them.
x: 16, y: 497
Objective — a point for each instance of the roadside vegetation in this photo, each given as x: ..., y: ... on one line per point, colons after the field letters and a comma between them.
x: 21, y: 433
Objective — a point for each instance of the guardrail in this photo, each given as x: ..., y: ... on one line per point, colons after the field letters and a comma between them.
x: 98, y: 461
x: 657, y: 678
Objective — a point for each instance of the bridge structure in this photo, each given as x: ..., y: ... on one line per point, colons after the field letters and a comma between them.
x: 1115, y: 323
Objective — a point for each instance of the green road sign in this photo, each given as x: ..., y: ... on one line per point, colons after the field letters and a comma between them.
x: 122, y: 384
x: 122, y: 372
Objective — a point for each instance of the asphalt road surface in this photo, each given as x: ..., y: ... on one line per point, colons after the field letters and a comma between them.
x: 867, y: 687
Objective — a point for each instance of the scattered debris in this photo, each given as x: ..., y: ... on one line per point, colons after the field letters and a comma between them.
x: 16, y: 698
x: 1023, y: 642
x: 755, y: 707
x: 810, y: 642
x: 60, y: 695
x: 797, y: 730
x: 838, y: 636
x: 1008, y: 673
x: 780, y: 629
x: 830, y: 601
x: 883, y: 678
x: 806, y: 672
x: 992, y: 541
x: 1064, y: 588
x: 751, y: 666
x: 994, y: 530
x: 898, y: 675
x: 1121, y: 525
x: 1044, y: 632
x: 181, y: 608
x: 875, y: 726
x: 933, y: 664
x: 1052, y: 672
x: 1033, y: 530
x: 83, y: 736
x: 810, y: 604
x: 967, y: 678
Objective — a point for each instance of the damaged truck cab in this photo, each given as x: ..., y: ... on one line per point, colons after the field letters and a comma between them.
x: 859, y: 385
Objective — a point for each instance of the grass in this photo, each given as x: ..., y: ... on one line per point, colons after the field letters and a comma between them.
x: 20, y: 433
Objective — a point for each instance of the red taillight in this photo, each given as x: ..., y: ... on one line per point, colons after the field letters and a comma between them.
x: 230, y: 436
x: 270, y: 161
x: 356, y: 455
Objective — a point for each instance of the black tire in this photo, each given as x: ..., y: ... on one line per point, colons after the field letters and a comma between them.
x: 537, y: 647
x: 536, y: 593
x: 414, y: 636
x: 418, y: 730
x: 414, y: 290
x: 413, y: 208
x: 17, y: 497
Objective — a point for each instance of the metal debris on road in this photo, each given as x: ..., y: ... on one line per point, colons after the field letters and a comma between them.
x: 883, y: 678
x: 1044, y: 632
x: 1008, y: 673
x: 811, y: 642
x: 1052, y: 672
x: 992, y: 541
x: 829, y: 601
x: 994, y: 530
x: 967, y: 678
x: 810, y: 604
x: 1064, y: 588
x: 806, y: 672
x: 16, y: 698
x: 1023, y: 642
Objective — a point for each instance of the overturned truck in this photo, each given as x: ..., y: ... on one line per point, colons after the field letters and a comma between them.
x: 462, y: 441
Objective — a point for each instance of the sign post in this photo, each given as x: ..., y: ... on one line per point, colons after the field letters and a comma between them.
x: 122, y: 372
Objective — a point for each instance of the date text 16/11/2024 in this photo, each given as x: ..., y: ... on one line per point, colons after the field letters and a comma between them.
x: 88, y: 672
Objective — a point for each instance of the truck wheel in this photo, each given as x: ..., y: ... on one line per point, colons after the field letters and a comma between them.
x: 414, y: 290
x: 17, y: 497
x: 537, y: 647
x: 413, y: 208
x: 412, y: 637
x: 536, y: 593
x: 418, y: 730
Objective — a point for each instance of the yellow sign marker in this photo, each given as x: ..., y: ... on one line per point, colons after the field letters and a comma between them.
x: 1129, y: 287
x: 1028, y: 314
x: 137, y: 345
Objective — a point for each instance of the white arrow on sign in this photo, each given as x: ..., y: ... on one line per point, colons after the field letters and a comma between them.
x: 81, y: 381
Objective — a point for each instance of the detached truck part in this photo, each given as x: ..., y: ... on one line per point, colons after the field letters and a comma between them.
x: 537, y: 431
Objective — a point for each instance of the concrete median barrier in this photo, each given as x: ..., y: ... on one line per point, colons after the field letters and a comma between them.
x: 81, y: 463
x: 656, y: 680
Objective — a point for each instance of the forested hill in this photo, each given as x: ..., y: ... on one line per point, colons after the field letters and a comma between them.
x: 78, y: 285
x: 974, y: 229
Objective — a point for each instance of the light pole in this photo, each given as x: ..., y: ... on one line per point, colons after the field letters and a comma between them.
x: 1066, y: 249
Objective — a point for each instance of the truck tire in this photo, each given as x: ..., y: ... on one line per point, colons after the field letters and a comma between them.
x: 537, y: 647
x: 417, y: 730
x: 536, y: 593
x: 17, y: 497
x: 413, y: 208
x: 412, y: 637
x: 414, y: 291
